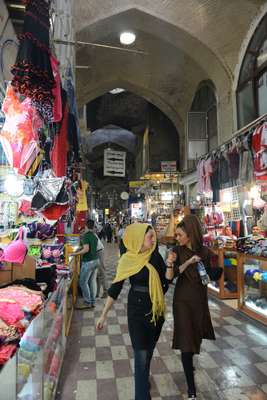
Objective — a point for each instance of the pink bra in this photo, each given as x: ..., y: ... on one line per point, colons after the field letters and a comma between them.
x: 16, y: 251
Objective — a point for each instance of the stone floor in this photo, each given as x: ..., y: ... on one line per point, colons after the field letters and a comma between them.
x: 100, y: 365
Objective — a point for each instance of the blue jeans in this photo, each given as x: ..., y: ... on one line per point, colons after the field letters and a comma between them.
x: 87, y: 280
x: 142, y: 360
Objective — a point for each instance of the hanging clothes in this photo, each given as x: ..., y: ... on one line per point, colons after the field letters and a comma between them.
x: 82, y: 197
x: 259, y: 148
x: 69, y: 87
x: 19, y: 135
x: 246, y: 160
x: 215, y: 180
x: 233, y: 160
x: 58, y: 154
x: 57, y: 106
x: 32, y: 72
x: 200, y: 176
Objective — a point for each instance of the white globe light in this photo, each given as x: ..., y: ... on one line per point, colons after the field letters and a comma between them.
x: 13, y: 185
x: 127, y: 38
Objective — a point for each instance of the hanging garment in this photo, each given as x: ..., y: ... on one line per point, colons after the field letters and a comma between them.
x: 200, y: 176
x: 233, y: 159
x: 73, y: 139
x: 82, y: 197
x: 50, y: 191
x: 246, y: 160
x: 215, y: 180
x: 259, y: 148
x: 58, y: 155
x: 32, y: 72
x: 224, y: 171
x: 208, y: 170
x: 55, y: 212
x: 19, y: 135
x: 69, y: 87
x: 57, y: 106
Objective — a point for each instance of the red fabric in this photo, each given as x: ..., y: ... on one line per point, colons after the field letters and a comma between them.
x: 25, y: 208
x: 259, y: 140
x: 55, y: 211
x: 11, y: 313
x: 58, y: 153
x: 6, y: 352
x: 57, y: 105
x: 25, y: 298
x: 80, y: 221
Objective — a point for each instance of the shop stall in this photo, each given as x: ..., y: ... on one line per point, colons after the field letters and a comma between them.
x: 231, y: 202
x: 42, y: 197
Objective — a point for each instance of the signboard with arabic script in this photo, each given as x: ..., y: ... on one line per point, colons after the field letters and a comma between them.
x: 114, y: 163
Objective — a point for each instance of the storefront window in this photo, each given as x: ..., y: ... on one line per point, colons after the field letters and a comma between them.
x: 252, y: 87
x: 205, y: 103
x: 262, y: 93
x: 245, y: 101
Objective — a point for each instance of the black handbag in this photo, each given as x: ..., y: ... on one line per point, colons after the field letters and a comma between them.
x: 215, y: 273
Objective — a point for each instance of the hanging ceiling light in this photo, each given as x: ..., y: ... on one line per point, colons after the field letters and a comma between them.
x: 127, y: 38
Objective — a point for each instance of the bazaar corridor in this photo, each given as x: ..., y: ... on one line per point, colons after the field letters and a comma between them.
x: 100, y: 365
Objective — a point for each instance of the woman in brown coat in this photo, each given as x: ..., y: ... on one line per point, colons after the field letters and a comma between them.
x: 192, y: 321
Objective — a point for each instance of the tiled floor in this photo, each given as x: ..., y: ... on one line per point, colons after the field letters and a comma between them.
x: 100, y: 366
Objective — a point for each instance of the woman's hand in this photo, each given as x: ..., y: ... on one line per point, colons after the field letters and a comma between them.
x: 172, y: 257
x: 100, y: 323
x: 193, y: 260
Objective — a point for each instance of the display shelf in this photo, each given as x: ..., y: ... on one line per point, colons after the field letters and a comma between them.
x: 253, y: 293
x: 228, y: 285
x: 34, y: 371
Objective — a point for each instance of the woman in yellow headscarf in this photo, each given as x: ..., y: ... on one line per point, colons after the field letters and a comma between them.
x: 146, y: 269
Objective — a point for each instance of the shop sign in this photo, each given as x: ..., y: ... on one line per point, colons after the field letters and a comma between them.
x: 114, y: 163
x: 168, y: 166
x: 136, y: 184
x: 137, y: 210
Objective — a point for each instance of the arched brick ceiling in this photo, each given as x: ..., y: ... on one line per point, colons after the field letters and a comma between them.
x: 220, y: 25
x: 112, y: 134
x: 188, y: 41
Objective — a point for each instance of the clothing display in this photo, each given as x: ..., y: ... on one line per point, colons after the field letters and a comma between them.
x: 19, y: 135
x: 32, y: 72
x: 82, y: 205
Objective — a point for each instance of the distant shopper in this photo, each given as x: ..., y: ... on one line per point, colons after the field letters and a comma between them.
x: 109, y: 232
x: 89, y: 264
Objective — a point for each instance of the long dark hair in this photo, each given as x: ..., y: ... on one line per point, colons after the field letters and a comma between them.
x: 192, y: 227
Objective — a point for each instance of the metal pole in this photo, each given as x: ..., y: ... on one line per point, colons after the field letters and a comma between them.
x: 105, y: 46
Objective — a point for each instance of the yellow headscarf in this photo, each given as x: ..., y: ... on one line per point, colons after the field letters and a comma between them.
x: 133, y: 261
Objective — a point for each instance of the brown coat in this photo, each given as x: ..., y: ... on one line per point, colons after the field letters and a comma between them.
x: 192, y: 321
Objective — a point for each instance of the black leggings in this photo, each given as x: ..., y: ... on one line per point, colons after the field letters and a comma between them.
x: 187, y: 361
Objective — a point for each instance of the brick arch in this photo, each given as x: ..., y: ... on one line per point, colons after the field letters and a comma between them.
x: 148, y: 95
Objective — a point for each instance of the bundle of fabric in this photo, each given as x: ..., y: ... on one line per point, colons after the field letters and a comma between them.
x: 18, y: 305
x: 253, y: 245
x: 33, y: 74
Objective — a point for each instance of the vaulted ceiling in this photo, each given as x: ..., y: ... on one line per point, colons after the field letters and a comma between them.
x: 187, y: 41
